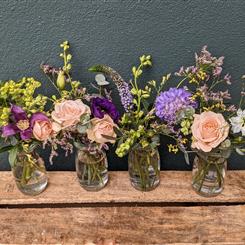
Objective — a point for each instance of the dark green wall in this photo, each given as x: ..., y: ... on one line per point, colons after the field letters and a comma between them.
x: 115, y: 33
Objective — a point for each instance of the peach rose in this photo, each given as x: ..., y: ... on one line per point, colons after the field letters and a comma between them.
x: 68, y: 112
x: 42, y: 129
x: 103, y: 126
x: 209, y: 129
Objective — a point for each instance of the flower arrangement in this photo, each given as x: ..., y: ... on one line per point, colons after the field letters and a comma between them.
x: 195, y: 114
x: 201, y: 117
x: 137, y: 132
x: 83, y: 119
x: 22, y: 114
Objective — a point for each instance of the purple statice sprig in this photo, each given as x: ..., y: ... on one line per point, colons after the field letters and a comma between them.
x: 63, y: 141
x: 169, y: 103
x: 50, y: 70
x: 207, y: 68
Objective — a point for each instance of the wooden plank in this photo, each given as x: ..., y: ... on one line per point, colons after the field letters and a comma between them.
x: 124, y: 225
x: 175, y: 187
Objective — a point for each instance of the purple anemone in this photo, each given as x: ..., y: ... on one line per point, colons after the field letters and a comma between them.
x: 102, y: 106
x: 21, y: 123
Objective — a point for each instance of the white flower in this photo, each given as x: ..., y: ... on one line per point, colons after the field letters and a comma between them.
x: 238, y: 122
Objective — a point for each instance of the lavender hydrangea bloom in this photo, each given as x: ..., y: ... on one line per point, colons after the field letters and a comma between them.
x: 170, y: 102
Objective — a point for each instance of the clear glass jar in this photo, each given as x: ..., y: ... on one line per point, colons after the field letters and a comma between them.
x: 209, y: 170
x: 91, y: 168
x: 30, y: 173
x: 144, y: 168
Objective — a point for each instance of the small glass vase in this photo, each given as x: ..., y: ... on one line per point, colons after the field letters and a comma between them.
x: 30, y: 173
x: 144, y: 168
x: 209, y: 170
x: 91, y: 168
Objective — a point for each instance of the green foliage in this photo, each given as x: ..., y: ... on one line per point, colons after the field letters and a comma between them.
x: 13, y: 155
x: 21, y: 93
x: 66, y: 87
x: 136, y: 125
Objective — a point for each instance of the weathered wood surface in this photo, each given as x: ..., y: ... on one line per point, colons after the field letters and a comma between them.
x: 124, y: 225
x: 119, y: 214
x: 175, y: 187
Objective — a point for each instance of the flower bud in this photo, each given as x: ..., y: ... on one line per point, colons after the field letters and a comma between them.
x: 61, y: 80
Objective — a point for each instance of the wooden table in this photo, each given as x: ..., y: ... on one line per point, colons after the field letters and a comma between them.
x: 171, y: 214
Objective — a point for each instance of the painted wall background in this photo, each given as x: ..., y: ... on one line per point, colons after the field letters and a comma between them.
x: 116, y: 32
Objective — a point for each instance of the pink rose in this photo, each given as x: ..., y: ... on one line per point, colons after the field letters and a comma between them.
x: 42, y: 129
x: 68, y: 112
x: 209, y: 129
x: 103, y: 126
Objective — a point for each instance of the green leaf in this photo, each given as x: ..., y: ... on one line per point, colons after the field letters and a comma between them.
x: 85, y: 118
x: 145, y: 104
x: 120, y: 142
x: 82, y: 128
x: 6, y: 148
x: 13, y: 155
x: 13, y: 140
x: 97, y: 68
x: 108, y: 137
x: 33, y: 146
x: 117, y: 131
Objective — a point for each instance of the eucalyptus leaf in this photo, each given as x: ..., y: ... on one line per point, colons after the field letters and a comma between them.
x: 85, y: 118
x: 6, y: 148
x: 13, y: 140
x: 100, y: 79
x: 154, y: 144
x: 13, y: 155
x: 82, y: 128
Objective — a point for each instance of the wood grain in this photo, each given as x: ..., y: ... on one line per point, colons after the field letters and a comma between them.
x: 124, y: 225
x: 175, y: 187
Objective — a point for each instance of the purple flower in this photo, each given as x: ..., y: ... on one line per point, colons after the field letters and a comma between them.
x: 21, y: 123
x: 49, y: 70
x: 125, y: 95
x: 170, y: 102
x: 122, y: 86
x: 102, y: 106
